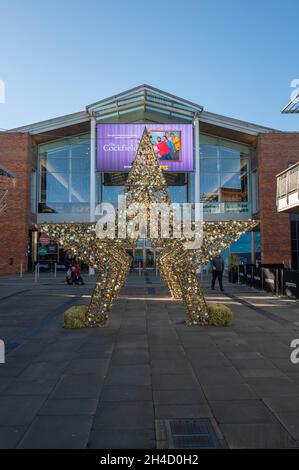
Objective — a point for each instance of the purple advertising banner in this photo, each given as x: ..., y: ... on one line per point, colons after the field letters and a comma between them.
x: 117, y: 145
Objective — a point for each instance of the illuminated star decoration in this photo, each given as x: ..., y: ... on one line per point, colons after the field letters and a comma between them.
x: 146, y: 186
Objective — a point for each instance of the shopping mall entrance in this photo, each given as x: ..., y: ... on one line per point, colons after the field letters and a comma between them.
x: 143, y: 258
x: 144, y: 255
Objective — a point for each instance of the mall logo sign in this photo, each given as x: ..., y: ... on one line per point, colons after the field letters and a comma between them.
x: 295, y: 353
x: 2, y: 91
x: 2, y: 352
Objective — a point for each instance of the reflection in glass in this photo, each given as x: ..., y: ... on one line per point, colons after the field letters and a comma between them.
x: 209, y: 187
x: 64, y: 169
x: 224, y: 168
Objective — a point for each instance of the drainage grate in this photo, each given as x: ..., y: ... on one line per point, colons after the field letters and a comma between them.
x: 191, y: 434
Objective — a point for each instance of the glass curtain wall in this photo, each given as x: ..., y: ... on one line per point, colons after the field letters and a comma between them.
x: 224, y: 175
x: 113, y: 185
x: 64, y: 176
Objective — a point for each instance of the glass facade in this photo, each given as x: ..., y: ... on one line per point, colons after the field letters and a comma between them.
x: 113, y: 185
x: 224, y: 175
x: 64, y: 176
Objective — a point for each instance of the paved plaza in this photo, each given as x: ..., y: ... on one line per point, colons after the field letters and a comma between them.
x: 117, y: 387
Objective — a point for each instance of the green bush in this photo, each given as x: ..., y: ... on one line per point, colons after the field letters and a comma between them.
x: 220, y: 315
x: 76, y: 317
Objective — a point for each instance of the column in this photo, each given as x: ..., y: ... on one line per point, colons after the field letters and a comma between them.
x: 252, y: 247
x: 92, y: 196
x: 196, y: 160
x: 92, y: 169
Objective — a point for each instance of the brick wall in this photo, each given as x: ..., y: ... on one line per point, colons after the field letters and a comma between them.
x: 274, y: 152
x: 16, y: 155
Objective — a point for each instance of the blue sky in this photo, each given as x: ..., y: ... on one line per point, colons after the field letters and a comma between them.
x: 234, y: 57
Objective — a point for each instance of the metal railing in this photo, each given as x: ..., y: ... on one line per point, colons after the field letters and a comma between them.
x: 288, y: 182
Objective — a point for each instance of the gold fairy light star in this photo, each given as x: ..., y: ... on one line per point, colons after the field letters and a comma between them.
x: 178, y: 264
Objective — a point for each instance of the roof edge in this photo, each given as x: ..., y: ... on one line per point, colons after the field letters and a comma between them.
x: 54, y: 123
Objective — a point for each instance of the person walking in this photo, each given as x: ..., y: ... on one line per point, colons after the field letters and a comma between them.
x: 217, y: 271
x: 76, y: 275
x: 69, y: 263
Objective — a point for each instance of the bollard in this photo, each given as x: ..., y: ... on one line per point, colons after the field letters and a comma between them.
x: 55, y: 270
x: 139, y: 268
x: 35, y: 273
x: 238, y: 274
x: 156, y: 270
x: 21, y: 270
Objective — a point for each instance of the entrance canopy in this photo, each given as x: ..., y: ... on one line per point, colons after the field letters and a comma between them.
x: 144, y: 98
x: 293, y: 106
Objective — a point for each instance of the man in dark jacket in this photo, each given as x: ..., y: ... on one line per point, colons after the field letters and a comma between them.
x: 217, y: 271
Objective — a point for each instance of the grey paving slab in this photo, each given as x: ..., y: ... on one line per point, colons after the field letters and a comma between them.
x: 283, y: 404
x: 128, y: 375
x: 69, y: 407
x: 19, y: 410
x: 243, y: 411
x: 125, y: 415
x: 218, y: 375
x: 158, y: 353
x: 170, y: 366
x: 261, y: 373
x: 46, y: 370
x: 87, y: 365
x: 253, y: 364
x: 130, y: 356
x: 107, y: 438
x: 274, y: 386
x: 290, y: 420
x: 178, y: 397
x: 174, y: 382
x: 185, y: 411
x: 57, y: 432
x: 30, y: 387
x: 4, y: 383
x: 257, y: 436
x: 7, y: 370
x: 126, y: 393
x: 10, y: 436
x: 79, y: 386
x: 229, y: 391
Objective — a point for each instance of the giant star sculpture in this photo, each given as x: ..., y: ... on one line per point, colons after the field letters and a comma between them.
x: 178, y: 264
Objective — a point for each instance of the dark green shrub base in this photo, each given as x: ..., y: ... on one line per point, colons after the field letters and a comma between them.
x: 76, y: 317
x: 220, y: 315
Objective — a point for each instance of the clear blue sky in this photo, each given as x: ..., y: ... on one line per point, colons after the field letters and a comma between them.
x: 234, y: 57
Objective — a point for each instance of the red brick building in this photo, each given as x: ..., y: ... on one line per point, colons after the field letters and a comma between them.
x: 58, y: 180
x: 16, y: 155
